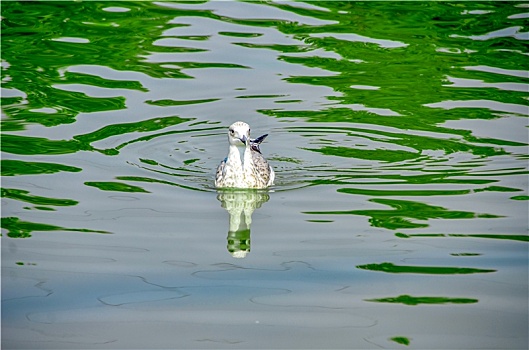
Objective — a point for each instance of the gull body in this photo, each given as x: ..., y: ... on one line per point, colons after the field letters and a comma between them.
x: 245, y: 166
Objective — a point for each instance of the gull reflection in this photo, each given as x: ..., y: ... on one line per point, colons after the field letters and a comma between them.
x: 241, y: 204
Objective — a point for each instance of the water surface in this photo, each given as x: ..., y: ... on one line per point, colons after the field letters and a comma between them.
x: 397, y: 130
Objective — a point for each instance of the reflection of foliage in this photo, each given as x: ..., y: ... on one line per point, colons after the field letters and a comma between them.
x: 401, y: 340
x: 403, y: 87
x: 405, y: 72
x: 28, y: 145
x: 414, y: 143
x: 427, y: 192
x: 353, y: 47
x: 380, y: 155
x: 179, y: 103
x: 17, y: 144
x: 431, y: 270
x: 520, y: 238
x: 22, y: 229
x: 23, y: 195
x: 398, y: 217
x: 410, y: 300
x: 125, y: 128
x: 115, y: 186
x: 11, y: 167
x: 36, y: 57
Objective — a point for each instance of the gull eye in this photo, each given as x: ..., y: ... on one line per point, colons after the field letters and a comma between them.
x: 231, y: 131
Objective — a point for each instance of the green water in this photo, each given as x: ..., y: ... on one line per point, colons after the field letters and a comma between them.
x: 398, y: 132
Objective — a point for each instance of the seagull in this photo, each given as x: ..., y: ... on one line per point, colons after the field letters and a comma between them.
x: 245, y: 166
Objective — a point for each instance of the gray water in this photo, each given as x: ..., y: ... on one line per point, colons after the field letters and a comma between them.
x: 398, y: 133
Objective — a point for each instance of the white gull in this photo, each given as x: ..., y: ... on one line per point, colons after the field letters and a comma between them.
x: 245, y: 166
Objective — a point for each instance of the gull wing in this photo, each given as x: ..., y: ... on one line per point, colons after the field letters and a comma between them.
x: 221, y: 171
x: 256, y: 142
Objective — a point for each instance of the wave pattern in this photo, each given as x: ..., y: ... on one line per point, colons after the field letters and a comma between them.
x: 395, y: 126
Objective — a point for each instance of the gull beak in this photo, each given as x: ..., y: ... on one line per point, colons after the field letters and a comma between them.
x: 243, y: 139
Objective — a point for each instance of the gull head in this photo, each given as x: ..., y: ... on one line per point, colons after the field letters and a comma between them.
x: 239, y: 134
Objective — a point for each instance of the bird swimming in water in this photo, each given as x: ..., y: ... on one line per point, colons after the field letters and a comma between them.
x: 245, y: 166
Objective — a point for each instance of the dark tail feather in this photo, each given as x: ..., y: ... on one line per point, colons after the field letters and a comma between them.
x: 259, y: 139
x: 256, y: 142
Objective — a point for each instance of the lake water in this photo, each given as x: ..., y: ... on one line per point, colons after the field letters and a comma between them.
x: 398, y: 133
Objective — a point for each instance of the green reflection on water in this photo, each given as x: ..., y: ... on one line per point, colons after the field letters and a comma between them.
x: 153, y: 180
x: 17, y: 144
x: 179, y: 103
x: 414, y: 193
x: 18, y: 167
x: 432, y: 270
x: 465, y: 142
x: 399, y: 217
x: 417, y: 193
x: 401, y: 340
x: 465, y: 254
x: 126, y: 128
x: 26, y: 145
x: 520, y: 198
x: 404, y: 55
x: 24, y: 196
x: 37, y: 55
x: 409, y: 68
x: 428, y: 177
x: 116, y: 186
x: 498, y: 189
x: 241, y: 34
x: 67, y: 105
x: 17, y: 228
x: 380, y: 155
x: 86, y: 79
x: 520, y: 238
x: 411, y: 300
x: 38, y: 207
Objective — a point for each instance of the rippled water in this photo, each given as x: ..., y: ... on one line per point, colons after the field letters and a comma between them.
x: 398, y: 133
